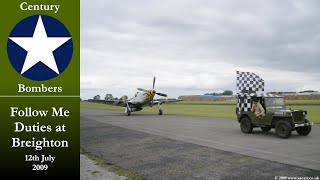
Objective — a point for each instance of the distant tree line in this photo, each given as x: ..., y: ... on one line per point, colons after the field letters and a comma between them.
x: 307, y: 91
x: 224, y: 93
x: 279, y: 92
x: 107, y: 97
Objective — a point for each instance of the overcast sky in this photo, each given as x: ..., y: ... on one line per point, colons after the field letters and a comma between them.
x: 196, y: 46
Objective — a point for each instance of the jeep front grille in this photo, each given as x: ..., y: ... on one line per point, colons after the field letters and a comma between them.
x: 298, y: 116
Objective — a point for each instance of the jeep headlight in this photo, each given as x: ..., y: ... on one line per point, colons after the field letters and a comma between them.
x: 279, y: 113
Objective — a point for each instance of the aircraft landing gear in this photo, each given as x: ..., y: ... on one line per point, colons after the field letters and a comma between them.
x: 127, y: 110
x: 159, y: 109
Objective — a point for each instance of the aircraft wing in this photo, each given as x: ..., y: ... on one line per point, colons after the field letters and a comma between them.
x: 155, y: 102
x: 110, y: 102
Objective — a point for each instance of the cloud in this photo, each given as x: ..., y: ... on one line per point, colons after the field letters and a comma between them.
x: 194, y: 47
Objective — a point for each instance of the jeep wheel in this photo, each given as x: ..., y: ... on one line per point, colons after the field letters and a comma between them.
x: 245, y: 125
x: 303, y: 131
x: 283, y: 129
x: 265, y: 129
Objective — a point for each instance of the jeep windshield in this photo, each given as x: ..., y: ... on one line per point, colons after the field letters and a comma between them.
x: 275, y: 101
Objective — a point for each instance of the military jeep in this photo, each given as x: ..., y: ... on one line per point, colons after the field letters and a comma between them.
x: 276, y: 116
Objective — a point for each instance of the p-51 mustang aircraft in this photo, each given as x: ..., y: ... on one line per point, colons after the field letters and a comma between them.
x: 140, y: 100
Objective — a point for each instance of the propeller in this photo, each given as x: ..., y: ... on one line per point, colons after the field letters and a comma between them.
x: 161, y: 94
x: 140, y: 89
x: 124, y: 98
x: 151, y: 93
x: 154, y: 81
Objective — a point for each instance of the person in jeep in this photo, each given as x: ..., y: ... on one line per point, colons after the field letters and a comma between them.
x: 257, y: 108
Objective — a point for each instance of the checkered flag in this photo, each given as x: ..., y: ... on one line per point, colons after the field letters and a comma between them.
x: 248, y: 82
x: 244, y: 102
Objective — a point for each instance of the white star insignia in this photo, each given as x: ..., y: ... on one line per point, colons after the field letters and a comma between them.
x: 40, y: 48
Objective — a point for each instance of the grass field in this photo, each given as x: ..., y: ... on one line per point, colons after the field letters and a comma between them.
x: 288, y: 102
x: 214, y: 109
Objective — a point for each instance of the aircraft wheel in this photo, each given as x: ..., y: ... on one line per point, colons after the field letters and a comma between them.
x: 127, y: 111
x: 160, y: 112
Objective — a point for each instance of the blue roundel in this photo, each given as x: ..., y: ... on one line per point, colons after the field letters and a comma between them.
x: 40, y: 47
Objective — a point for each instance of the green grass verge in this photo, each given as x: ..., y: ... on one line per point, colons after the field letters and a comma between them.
x: 207, y: 102
x: 99, y: 106
x: 199, y: 110
x: 313, y: 112
x: 196, y: 109
x: 113, y: 168
x: 288, y: 102
x: 303, y: 102
x: 94, y: 172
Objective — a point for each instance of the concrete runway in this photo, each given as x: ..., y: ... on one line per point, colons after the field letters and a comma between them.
x: 222, y: 134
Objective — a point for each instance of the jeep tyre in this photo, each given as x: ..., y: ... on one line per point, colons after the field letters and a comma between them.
x: 246, y: 125
x: 283, y: 129
x: 265, y: 129
x: 303, y: 131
